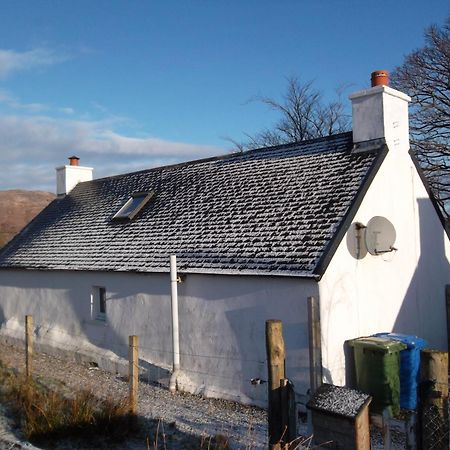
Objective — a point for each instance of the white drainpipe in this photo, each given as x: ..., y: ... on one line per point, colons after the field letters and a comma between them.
x: 175, y: 331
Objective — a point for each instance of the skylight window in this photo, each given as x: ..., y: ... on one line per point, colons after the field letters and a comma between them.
x: 133, y: 205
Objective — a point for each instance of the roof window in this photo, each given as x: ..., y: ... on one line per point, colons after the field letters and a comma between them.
x: 133, y: 205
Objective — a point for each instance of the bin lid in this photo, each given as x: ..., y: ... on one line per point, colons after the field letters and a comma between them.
x: 410, y: 340
x: 380, y: 344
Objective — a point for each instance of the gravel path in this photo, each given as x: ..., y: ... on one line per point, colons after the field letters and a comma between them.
x: 180, y: 415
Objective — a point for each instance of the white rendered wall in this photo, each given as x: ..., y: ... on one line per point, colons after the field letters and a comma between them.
x: 222, y: 323
x: 229, y: 315
x: 402, y: 291
x: 60, y: 303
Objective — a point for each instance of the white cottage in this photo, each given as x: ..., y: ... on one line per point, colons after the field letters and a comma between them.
x: 347, y: 219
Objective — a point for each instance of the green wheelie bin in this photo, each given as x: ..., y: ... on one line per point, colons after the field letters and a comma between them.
x: 377, y: 364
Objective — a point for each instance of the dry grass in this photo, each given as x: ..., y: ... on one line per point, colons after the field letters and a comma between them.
x: 219, y: 442
x: 48, y: 415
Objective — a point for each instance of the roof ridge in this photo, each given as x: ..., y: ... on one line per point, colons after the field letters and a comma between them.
x: 226, y: 156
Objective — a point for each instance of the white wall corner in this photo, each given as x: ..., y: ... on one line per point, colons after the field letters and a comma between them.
x: 381, y: 112
x: 67, y: 177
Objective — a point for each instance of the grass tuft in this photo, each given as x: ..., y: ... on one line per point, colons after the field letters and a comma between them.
x: 46, y: 414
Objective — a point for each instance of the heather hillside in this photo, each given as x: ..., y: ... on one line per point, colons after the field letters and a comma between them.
x: 17, y: 208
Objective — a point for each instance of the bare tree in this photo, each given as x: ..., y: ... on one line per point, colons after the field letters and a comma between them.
x: 425, y: 76
x: 304, y: 115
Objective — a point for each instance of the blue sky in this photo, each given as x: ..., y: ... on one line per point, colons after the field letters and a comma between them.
x: 128, y: 85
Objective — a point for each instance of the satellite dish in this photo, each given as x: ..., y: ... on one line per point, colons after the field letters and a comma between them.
x: 380, y: 236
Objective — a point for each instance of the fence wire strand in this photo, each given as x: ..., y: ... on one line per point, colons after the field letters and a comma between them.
x: 47, y: 338
x: 434, y: 418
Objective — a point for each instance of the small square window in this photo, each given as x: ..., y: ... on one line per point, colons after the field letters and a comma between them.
x: 98, y: 303
x: 102, y: 300
x: 133, y: 205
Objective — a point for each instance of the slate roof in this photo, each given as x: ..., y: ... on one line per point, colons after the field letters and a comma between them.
x: 280, y: 211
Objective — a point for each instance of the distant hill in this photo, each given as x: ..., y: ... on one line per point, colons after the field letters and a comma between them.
x: 17, y: 208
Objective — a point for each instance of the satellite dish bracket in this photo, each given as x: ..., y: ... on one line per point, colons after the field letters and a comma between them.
x: 381, y: 252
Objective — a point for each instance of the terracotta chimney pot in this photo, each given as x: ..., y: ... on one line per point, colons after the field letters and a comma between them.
x: 380, y: 78
x: 74, y: 160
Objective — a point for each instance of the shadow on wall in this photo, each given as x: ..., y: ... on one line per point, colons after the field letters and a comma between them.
x: 222, y: 324
x: 248, y: 326
x: 224, y: 317
x: 64, y: 326
x: 354, y: 240
x: 423, y: 311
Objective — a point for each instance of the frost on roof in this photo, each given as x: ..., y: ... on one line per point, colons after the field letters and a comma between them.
x: 268, y: 211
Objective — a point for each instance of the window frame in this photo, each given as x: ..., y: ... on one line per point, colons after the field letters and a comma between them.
x: 123, y: 215
x: 98, y: 303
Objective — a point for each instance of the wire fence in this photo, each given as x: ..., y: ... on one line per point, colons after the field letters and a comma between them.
x: 433, y: 416
x: 121, y: 345
x: 156, y: 367
x: 191, y: 414
x: 435, y: 428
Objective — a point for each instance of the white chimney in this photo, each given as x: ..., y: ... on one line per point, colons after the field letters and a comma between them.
x: 67, y: 177
x: 381, y: 112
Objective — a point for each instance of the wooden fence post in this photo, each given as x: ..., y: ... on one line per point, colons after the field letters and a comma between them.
x: 288, y: 411
x: 434, y: 399
x: 133, y: 371
x: 284, y: 409
x: 315, y: 345
x: 28, y: 346
x: 275, y: 364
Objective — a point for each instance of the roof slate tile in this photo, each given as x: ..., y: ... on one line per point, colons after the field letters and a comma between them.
x: 271, y: 210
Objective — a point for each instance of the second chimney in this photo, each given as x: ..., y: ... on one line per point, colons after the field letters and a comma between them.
x: 67, y: 177
x: 74, y: 160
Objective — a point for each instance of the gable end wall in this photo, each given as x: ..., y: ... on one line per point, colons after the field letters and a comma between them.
x: 402, y: 291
